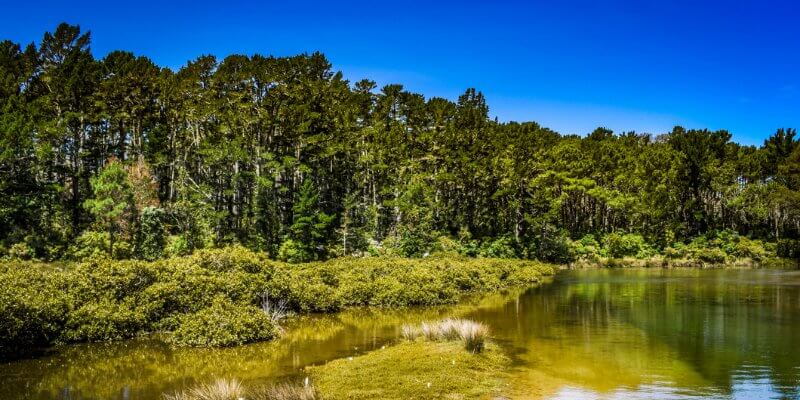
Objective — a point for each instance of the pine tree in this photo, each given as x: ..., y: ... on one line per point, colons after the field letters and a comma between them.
x: 112, y: 205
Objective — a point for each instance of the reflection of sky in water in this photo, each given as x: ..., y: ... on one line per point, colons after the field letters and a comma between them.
x: 742, y: 389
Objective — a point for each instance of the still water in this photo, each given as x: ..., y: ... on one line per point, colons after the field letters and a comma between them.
x: 609, y: 333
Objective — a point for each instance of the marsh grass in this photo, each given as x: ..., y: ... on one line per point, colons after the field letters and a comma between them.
x: 224, y: 389
x: 221, y: 389
x: 473, y: 334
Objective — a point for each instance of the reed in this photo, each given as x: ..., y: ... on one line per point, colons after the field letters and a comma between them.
x: 473, y: 334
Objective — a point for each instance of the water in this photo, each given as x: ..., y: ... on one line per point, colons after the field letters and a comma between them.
x: 616, y: 334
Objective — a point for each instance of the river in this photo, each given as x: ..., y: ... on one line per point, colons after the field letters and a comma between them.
x: 599, y: 333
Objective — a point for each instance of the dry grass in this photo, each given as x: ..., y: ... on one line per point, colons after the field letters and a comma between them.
x: 224, y: 389
x: 473, y: 334
x: 221, y: 389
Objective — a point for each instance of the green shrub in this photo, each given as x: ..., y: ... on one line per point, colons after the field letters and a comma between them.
x: 210, y: 297
x: 177, y: 246
x: 676, y: 251
x: 151, y: 235
x: 32, y: 308
x: 788, y: 248
x: 712, y: 255
x: 223, y: 324
x: 551, y: 245
x: 748, y: 248
x: 619, y: 245
x: 502, y: 247
x: 294, y: 252
x: 586, y: 248
x: 103, y: 320
x: 21, y: 251
x: 89, y: 244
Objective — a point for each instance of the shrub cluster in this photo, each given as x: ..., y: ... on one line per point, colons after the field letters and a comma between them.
x: 213, y: 297
x: 713, y: 248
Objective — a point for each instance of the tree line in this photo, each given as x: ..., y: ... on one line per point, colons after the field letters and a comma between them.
x: 282, y: 154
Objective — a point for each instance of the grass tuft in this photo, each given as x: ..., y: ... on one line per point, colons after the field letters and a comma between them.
x: 221, y: 389
x: 473, y: 334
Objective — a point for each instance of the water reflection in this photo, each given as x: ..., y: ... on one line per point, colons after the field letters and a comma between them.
x: 659, y: 333
x: 589, y: 334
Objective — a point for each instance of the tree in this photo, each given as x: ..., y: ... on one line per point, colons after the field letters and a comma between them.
x: 310, y: 227
x: 112, y: 205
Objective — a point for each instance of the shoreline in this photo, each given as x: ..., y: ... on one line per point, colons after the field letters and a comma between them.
x: 661, y: 262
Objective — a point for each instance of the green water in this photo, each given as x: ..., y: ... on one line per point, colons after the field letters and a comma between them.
x: 595, y: 333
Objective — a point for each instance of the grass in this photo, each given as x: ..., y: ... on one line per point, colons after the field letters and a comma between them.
x: 221, y: 389
x: 415, y: 370
x: 472, y: 334
x: 224, y: 389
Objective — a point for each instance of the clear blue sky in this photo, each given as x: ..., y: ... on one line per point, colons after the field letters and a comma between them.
x: 570, y: 65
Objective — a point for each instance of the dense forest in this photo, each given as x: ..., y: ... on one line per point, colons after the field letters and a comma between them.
x: 283, y: 155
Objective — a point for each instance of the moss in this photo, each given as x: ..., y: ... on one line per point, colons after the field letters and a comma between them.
x: 415, y: 370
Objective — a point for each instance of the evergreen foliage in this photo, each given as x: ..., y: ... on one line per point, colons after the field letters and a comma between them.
x: 281, y: 154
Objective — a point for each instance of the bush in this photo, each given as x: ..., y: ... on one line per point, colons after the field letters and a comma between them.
x: 748, y: 248
x: 587, y: 248
x: 713, y: 255
x: 552, y: 246
x: 294, y: 252
x: 102, y: 321
x: 618, y: 245
x: 152, y: 236
x: 223, y: 324
x: 502, y: 247
x: 32, y: 310
x: 177, y: 246
x: 210, y: 297
x: 89, y: 244
x: 788, y: 248
x: 21, y: 251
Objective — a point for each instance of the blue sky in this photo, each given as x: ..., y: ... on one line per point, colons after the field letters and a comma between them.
x: 570, y: 65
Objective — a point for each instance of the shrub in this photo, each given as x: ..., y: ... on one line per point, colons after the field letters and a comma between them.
x: 552, y: 246
x: 211, y: 297
x: 748, y: 248
x: 502, y: 247
x: 294, y: 252
x: 619, y: 245
x: 151, y: 237
x: 586, y: 248
x: 712, y: 255
x: 32, y: 310
x: 90, y: 244
x: 788, y: 248
x: 223, y: 324
x: 102, y: 321
x: 176, y: 246
x: 21, y: 251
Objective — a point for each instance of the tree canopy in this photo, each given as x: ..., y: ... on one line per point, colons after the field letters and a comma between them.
x: 260, y: 150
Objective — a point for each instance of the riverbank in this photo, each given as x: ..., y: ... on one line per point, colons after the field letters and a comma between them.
x: 224, y: 297
x: 663, y: 262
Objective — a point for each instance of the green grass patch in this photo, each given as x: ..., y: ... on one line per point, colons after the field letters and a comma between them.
x: 415, y: 370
